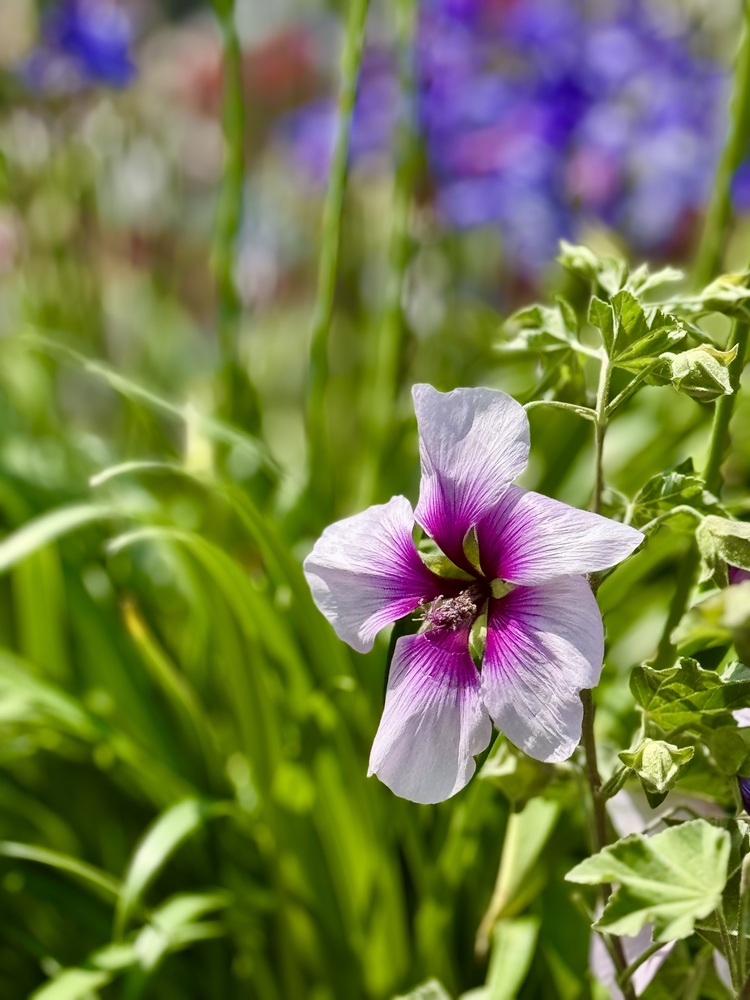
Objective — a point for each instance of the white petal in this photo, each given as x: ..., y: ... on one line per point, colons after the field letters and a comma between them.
x: 472, y: 443
x: 433, y: 722
x: 530, y: 538
x: 365, y: 573
x: 544, y: 645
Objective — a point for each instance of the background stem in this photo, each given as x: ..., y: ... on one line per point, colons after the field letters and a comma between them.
x: 238, y: 397
x: 382, y: 382
x: 600, y: 825
x: 688, y: 572
x: 319, y: 459
x: 713, y: 240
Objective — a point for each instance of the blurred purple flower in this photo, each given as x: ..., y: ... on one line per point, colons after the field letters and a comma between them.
x: 544, y: 640
x: 83, y: 42
x: 744, y: 784
x: 737, y: 575
x: 540, y: 116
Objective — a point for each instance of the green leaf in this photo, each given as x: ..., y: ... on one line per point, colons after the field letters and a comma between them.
x: 602, y: 316
x: 608, y: 273
x: 551, y: 336
x: 671, y: 879
x: 513, y: 945
x: 436, y: 560
x: 521, y: 875
x: 518, y: 776
x: 687, y: 695
x: 176, y: 923
x: 79, y: 983
x: 105, y: 884
x: 658, y: 764
x: 160, y: 841
x: 727, y: 294
x: 471, y: 549
x: 641, y: 280
x: 723, y: 542
x: 676, y: 487
x: 728, y: 749
x: 632, y: 338
x: 543, y: 328
x: 719, y: 620
x: 701, y: 372
x: 48, y: 528
x: 431, y: 990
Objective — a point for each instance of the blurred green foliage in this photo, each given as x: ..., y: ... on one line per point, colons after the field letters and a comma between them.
x: 184, y: 810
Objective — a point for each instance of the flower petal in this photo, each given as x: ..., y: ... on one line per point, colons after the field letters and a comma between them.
x: 529, y: 538
x: 472, y: 443
x: 365, y: 573
x: 544, y: 645
x: 434, y: 721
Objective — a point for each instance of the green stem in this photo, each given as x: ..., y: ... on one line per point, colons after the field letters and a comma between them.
x: 583, y: 411
x: 724, y: 408
x: 742, y: 921
x: 228, y: 221
x: 602, y: 398
x: 631, y: 387
x: 319, y: 458
x: 682, y: 508
x: 719, y: 211
x: 728, y: 950
x: 600, y: 829
x: 383, y: 379
x: 627, y: 975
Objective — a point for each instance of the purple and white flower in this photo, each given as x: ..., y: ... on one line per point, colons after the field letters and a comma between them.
x: 517, y: 581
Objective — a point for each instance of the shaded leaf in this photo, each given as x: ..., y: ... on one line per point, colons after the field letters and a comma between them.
x: 48, y: 528
x: 727, y: 294
x: 513, y: 945
x: 719, y: 620
x: 79, y: 983
x: 160, y: 841
x: 687, y: 695
x: 518, y: 776
x: 723, y: 542
x: 104, y: 883
x: 680, y: 486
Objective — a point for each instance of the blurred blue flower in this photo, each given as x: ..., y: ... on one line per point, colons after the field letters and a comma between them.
x: 83, y: 42
x: 540, y: 117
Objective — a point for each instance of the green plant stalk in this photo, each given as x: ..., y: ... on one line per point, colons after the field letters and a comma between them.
x: 627, y: 975
x: 384, y: 379
x: 724, y: 408
x: 319, y: 458
x: 719, y: 212
x: 228, y: 221
x: 727, y: 943
x: 742, y: 922
x: 600, y: 429
x: 600, y: 831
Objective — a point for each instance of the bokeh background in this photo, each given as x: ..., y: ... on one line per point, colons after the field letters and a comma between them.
x: 184, y: 810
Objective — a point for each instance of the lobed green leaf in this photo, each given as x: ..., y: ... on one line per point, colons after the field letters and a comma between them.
x: 670, y: 880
